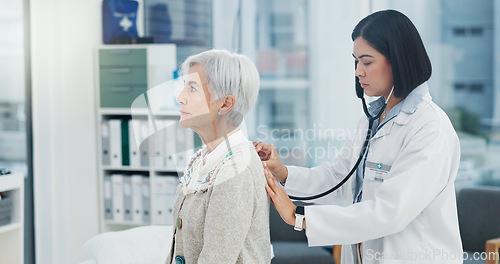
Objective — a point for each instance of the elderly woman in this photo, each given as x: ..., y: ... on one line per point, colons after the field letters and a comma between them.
x: 221, y: 209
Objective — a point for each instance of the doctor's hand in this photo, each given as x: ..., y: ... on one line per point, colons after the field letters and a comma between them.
x: 279, y: 198
x: 269, y: 155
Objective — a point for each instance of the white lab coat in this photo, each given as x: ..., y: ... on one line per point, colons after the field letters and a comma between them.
x: 407, y: 215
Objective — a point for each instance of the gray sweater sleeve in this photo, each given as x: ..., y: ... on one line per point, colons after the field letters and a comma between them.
x: 228, y: 217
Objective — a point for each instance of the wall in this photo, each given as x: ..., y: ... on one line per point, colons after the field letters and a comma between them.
x: 64, y: 34
x: 12, y: 79
x: 333, y: 100
x: 334, y: 108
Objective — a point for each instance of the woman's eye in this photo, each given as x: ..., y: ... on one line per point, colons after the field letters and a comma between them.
x: 192, y: 89
x: 367, y: 63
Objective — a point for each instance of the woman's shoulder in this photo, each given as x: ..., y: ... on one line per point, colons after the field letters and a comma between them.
x: 431, y: 119
x: 242, y: 160
x: 428, y: 112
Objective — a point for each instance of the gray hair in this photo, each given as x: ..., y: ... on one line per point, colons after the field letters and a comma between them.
x: 228, y: 73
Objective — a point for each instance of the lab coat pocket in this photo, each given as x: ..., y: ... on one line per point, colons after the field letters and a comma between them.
x: 372, y: 181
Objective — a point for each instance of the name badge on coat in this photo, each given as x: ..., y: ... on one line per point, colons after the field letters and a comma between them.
x: 375, y: 174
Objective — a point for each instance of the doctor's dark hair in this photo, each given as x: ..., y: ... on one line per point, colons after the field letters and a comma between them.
x: 393, y: 35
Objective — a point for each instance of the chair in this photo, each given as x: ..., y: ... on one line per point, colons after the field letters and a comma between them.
x: 290, y: 246
x: 479, y: 221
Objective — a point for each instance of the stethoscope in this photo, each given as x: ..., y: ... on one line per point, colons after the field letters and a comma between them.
x: 371, y: 119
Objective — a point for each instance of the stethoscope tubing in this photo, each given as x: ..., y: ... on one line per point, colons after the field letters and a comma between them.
x: 364, y: 149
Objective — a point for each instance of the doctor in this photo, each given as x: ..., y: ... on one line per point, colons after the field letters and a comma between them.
x: 402, y: 196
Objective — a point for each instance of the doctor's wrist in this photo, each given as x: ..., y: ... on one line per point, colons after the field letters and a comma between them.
x: 283, y: 174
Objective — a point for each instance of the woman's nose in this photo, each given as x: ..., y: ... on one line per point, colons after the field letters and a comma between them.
x: 359, y: 71
x: 181, y: 99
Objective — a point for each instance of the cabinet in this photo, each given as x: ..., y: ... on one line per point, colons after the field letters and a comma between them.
x: 141, y: 147
x: 12, y: 234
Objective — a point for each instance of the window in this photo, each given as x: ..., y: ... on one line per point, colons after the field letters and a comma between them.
x: 476, y: 87
x: 459, y: 86
x: 459, y: 31
x: 463, y: 87
x: 470, y: 87
x: 476, y: 31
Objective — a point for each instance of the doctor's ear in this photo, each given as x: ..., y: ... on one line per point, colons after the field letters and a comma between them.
x: 228, y: 103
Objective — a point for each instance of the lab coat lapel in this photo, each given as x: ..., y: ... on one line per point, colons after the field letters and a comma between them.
x: 401, y: 119
x: 384, y: 130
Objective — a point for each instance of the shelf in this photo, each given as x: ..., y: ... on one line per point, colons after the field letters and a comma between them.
x: 11, y: 235
x: 142, y: 112
x: 169, y: 171
x: 10, y: 227
x: 124, y: 223
x: 10, y: 182
x: 109, y: 168
x: 284, y: 84
x: 160, y: 63
x: 135, y: 46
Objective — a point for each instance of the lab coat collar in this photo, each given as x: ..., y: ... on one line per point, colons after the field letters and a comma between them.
x: 408, y: 105
x: 404, y: 109
x: 375, y: 106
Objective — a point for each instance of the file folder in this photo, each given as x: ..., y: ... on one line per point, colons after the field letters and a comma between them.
x: 172, y: 182
x: 146, y: 201
x: 137, y: 199
x: 115, y: 142
x: 170, y: 145
x: 158, y: 145
x: 164, y: 193
x: 160, y: 202
x: 125, y: 143
x: 117, y: 189
x: 127, y: 198
x: 106, y: 159
x: 135, y: 160
x: 108, y: 199
x: 144, y: 143
x: 185, y: 147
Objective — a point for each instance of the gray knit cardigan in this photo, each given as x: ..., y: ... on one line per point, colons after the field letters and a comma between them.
x: 225, y: 217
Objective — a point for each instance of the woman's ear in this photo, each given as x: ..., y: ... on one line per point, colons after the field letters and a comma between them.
x: 227, y: 104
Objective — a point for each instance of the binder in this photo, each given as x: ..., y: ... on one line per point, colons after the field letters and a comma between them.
x: 164, y: 193
x: 172, y: 182
x: 127, y: 198
x: 146, y: 201
x: 108, y: 199
x: 115, y: 142
x: 144, y: 143
x: 135, y: 160
x: 185, y: 147
x: 106, y: 159
x: 117, y: 189
x: 170, y: 145
x: 137, y: 199
x: 160, y: 204
x: 158, y: 145
x: 125, y: 143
